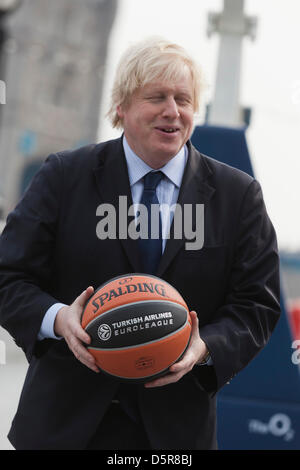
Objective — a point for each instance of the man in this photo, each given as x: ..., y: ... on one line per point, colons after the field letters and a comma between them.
x: 51, y: 259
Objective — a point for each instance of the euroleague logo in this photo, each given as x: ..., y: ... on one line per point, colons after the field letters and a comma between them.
x: 104, y: 332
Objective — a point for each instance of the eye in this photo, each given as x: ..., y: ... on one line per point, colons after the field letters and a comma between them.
x: 184, y: 100
x: 155, y: 98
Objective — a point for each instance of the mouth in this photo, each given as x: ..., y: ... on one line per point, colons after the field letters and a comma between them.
x: 167, y: 129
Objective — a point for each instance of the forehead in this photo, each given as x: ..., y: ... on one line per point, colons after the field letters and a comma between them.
x: 181, y: 84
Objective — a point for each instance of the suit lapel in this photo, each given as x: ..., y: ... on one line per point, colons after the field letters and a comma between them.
x: 195, y: 189
x: 112, y: 181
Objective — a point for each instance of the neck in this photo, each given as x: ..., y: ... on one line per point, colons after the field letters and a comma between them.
x: 154, y: 161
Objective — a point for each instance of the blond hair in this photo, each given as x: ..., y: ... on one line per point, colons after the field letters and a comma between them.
x: 146, y: 61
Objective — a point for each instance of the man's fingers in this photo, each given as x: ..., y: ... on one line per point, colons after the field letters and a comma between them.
x: 81, y: 353
x: 195, y: 323
x: 75, y: 326
x: 187, y: 360
x: 186, y: 363
x: 80, y: 333
x: 69, y: 326
x: 166, y: 380
x: 84, y: 296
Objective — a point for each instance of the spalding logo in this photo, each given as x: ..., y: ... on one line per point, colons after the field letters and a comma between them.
x: 104, y: 332
x: 154, y: 288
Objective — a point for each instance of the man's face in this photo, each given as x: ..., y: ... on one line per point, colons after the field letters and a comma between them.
x: 158, y: 120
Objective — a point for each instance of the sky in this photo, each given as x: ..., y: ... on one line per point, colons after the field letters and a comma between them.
x: 270, y: 85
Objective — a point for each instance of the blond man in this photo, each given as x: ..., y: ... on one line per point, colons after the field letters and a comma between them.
x: 53, y: 258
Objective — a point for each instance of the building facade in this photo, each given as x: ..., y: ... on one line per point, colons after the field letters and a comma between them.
x: 55, y: 55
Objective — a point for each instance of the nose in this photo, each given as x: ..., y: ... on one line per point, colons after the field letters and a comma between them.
x: 170, y: 108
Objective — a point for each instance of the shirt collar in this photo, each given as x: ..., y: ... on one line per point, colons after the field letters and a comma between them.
x: 137, y: 168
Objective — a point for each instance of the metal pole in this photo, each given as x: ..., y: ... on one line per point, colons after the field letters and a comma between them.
x: 232, y: 26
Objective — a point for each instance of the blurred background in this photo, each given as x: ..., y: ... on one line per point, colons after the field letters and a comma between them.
x: 57, y: 62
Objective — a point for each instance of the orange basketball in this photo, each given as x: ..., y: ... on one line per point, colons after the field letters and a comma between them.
x: 139, y: 326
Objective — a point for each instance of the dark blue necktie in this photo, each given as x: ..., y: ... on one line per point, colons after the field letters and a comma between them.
x: 151, y: 248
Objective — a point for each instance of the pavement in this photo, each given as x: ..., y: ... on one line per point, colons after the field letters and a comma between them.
x: 13, y: 368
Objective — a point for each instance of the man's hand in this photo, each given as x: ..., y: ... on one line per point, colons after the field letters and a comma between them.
x: 195, y: 352
x: 67, y: 324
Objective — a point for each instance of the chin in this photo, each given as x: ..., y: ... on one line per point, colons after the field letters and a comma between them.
x: 162, y: 158
x: 170, y: 152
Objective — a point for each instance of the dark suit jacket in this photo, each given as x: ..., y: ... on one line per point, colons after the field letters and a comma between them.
x: 49, y: 252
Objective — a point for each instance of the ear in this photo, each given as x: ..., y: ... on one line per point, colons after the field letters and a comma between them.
x: 120, y: 111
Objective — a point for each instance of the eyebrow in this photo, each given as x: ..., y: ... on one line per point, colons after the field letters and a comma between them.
x: 159, y: 90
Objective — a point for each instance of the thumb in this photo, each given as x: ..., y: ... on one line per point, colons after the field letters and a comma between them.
x: 195, y: 323
x: 84, y: 296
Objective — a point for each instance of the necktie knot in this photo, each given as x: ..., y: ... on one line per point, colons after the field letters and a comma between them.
x: 152, y: 180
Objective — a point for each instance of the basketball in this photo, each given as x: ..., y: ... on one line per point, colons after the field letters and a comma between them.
x: 139, y: 326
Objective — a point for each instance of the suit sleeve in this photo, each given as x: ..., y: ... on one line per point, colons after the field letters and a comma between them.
x: 26, y: 257
x: 243, y: 325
